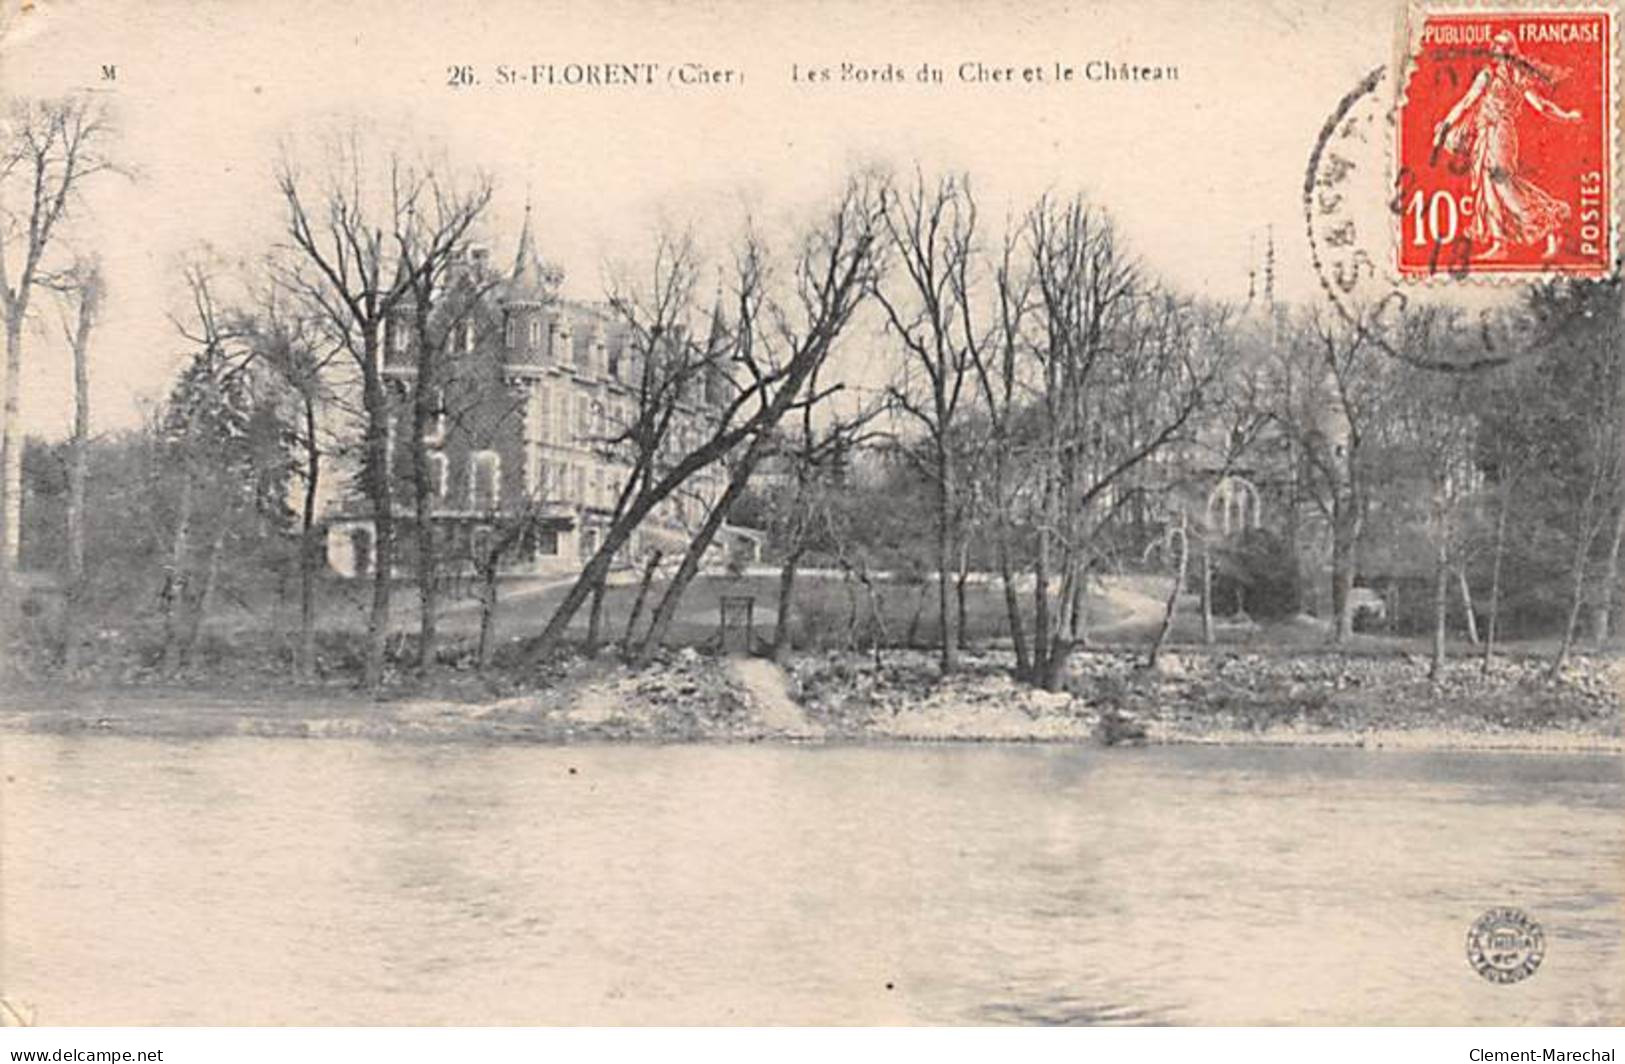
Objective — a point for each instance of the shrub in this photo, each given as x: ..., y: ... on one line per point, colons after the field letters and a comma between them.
x: 1256, y: 571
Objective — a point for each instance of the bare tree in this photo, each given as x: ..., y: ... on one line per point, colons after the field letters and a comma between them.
x: 931, y: 234
x: 357, y: 251
x: 1121, y: 368
x: 1335, y: 427
x: 1430, y: 423
x: 1178, y: 542
x: 496, y: 540
x: 663, y: 369
x: 815, y: 455
x: 83, y: 293
x: 768, y: 371
x: 998, y: 360
x: 446, y: 292
x: 48, y: 150
x: 778, y: 351
x: 205, y: 428
x: 298, y: 351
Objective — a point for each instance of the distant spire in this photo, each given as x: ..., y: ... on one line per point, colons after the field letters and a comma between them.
x: 532, y: 278
x: 719, y: 320
x: 1269, y: 268
x: 1252, y: 271
x: 526, y: 251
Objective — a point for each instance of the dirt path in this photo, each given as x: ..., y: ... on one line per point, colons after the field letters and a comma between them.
x: 769, y: 692
x: 1137, y: 604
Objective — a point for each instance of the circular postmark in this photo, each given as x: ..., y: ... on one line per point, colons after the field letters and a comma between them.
x: 1505, y: 945
x: 1349, y: 206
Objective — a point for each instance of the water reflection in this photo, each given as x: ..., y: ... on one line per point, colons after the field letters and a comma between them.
x: 281, y: 881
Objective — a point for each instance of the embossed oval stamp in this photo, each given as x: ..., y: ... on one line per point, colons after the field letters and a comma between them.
x: 1505, y: 945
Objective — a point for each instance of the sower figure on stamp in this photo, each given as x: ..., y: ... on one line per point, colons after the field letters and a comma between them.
x: 1483, y: 126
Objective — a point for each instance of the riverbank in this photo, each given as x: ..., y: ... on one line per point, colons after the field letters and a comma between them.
x: 1299, y: 699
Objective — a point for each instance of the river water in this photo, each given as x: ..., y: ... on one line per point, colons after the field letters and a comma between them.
x: 266, y: 881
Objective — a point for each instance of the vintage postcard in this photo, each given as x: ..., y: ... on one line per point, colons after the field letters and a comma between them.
x: 814, y: 513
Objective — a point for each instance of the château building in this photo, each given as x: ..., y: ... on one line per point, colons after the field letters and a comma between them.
x: 530, y: 411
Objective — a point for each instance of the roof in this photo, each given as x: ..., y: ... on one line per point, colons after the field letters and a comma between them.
x: 533, y: 279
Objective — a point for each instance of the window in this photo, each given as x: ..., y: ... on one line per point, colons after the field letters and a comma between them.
x: 485, y: 480
x: 542, y: 402
x: 468, y: 337
x: 510, y: 330
x: 535, y: 333
x: 398, y: 335
x: 437, y: 425
x: 547, y: 541
x: 583, y: 417
x: 439, y: 470
x: 535, y: 470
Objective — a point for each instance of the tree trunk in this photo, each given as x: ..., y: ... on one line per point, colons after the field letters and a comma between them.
x: 1583, y: 537
x: 1207, y: 592
x: 488, y: 612
x: 308, y: 547
x: 690, y: 565
x: 205, y: 596
x: 1345, y: 535
x: 1058, y: 642
x: 11, y: 456
x: 596, y: 570
x: 962, y: 578
x: 1079, y: 610
x: 1172, y: 605
x: 383, y: 516
x: 1441, y: 605
x: 629, y: 638
x: 173, y: 594
x: 1492, y: 628
x: 1603, y: 614
x: 1012, y: 604
x: 423, y: 492
x: 1603, y: 619
x: 949, y: 656
x: 1467, y: 605
x: 783, y: 631
x: 1041, y: 561
x: 595, y: 618
x: 74, y: 593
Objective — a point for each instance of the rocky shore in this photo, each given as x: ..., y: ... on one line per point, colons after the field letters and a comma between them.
x: 1222, y: 697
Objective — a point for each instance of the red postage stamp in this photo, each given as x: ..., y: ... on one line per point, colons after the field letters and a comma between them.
x: 1506, y: 145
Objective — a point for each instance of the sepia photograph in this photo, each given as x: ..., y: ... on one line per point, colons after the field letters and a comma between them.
x: 816, y: 514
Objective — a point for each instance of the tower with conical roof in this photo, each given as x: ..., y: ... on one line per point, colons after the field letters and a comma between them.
x: 716, y: 345
x: 530, y: 328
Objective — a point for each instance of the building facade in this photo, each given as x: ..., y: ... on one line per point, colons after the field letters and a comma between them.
x: 528, y: 444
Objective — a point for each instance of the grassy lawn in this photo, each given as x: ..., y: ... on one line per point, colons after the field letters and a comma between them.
x: 824, y: 604
x: 1124, y: 614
